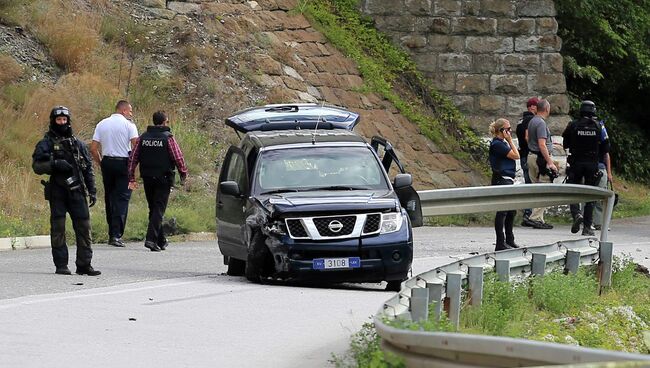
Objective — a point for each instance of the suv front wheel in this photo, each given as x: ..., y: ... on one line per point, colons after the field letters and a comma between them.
x: 258, y: 256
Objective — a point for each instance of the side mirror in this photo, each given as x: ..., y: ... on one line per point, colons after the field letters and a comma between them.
x: 402, y: 181
x: 230, y: 188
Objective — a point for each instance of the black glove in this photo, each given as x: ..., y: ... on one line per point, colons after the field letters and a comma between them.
x: 92, y: 198
x: 62, y: 165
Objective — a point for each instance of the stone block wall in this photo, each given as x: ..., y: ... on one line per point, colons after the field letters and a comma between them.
x: 489, y: 56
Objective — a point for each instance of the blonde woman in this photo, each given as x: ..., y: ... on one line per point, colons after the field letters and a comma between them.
x: 503, y: 154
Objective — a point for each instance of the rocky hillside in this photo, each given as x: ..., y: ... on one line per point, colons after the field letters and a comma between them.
x: 227, y: 55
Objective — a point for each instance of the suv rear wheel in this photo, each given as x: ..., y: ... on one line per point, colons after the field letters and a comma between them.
x: 394, y: 285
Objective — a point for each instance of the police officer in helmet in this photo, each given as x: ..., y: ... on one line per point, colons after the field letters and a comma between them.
x: 582, y: 137
x: 66, y: 159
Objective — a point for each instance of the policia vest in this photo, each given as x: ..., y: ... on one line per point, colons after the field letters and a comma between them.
x: 155, y: 160
x: 585, y: 140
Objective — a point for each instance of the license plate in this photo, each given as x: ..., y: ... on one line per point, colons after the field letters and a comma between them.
x: 334, y: 263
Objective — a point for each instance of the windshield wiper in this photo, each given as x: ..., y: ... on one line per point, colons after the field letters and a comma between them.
x: 335, y: 187
x: 276, y: 191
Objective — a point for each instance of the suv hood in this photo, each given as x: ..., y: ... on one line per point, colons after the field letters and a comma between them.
x: 327, y: 201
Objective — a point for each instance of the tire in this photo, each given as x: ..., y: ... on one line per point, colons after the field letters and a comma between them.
x: 236, y: 267
x: 394, y: 285
x: 258, y: 254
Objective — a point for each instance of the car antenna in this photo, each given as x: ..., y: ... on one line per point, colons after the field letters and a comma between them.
x: 313, y: 135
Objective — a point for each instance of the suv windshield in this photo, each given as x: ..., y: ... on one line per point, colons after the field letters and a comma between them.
x: 314, y: 168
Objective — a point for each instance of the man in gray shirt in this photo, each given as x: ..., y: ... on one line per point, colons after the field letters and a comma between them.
x: 540, y: 163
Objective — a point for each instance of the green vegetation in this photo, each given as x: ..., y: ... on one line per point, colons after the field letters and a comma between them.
x: 562, y: 308
x: 607, y: 59
x: 389, y: 72
x: 555, y: 308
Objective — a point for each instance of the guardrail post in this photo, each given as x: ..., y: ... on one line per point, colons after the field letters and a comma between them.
x: 503, y: 269
x: 538, y: 264
x: 419, y: 304
x: 435, y: 296
x: 475, y: 285
x: 452, y: 301
x: 605, y: 264
x: 572, y: 261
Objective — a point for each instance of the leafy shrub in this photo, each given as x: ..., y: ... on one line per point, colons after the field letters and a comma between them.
x: 559, y: 293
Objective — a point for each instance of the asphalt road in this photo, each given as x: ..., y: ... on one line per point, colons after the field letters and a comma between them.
x: 177, y: 308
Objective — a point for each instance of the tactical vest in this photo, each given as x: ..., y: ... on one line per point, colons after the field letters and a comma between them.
x: 155, y: 160
x: 65, y: 149
x: 585, y: 140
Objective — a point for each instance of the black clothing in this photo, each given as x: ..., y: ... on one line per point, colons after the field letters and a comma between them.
x: 583, y: 139
x: 502, y: 175
x: 521, y: 134
x: 116, y: 194
x: 157, y: 191
x: 67, y: 161
x: 154, y: 157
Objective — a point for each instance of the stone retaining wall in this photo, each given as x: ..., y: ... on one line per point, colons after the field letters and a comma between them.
x: 490, y: 56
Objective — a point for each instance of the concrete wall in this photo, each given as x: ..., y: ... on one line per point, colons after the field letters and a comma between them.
x: 489, y: 56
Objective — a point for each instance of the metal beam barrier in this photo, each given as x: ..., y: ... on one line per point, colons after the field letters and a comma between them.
x: 438, y: 349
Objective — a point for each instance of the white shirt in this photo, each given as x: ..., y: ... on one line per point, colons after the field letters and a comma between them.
x: 114, y: 134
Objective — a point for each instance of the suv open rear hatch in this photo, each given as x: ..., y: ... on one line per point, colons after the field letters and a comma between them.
x: 293, y: 116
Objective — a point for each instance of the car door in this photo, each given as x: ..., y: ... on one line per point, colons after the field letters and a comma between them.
x: 231, y: 208
x: 408, y: 196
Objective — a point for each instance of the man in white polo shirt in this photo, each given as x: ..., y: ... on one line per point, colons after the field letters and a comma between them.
x: 112, y: 142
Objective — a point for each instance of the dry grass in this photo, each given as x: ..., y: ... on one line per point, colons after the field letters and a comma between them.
x: 10, y: 71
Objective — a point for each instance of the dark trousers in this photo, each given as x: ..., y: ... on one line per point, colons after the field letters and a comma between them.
x: 63, y: 201
x: 157, y: 190
x: 116, y: 194
x: 579, y: 172
x: 504, y: 220
x: 524, y: 167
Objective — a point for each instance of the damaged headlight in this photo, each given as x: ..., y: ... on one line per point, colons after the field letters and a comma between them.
x: 391, y: 222
x: 276, y: 227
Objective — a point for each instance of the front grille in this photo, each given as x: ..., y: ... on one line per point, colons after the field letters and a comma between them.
x: 372, y: 223
x: 324, y: 225
x: 296, y: 229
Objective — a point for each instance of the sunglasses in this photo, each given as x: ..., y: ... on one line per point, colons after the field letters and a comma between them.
x: 505, y: 129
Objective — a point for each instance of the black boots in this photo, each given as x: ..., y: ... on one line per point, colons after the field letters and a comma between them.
x: 152, y: 246
x: 577, y: 221
x: 116, y: 242
x: 89, y: 270
x: 63, y: 270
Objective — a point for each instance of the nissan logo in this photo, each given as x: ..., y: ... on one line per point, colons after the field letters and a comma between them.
x: 335, y: 226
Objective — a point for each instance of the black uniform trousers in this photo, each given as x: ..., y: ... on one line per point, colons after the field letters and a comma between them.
x: 157, y: 190
x: 504, y: 220
x: 117, y: 194
x: 578, y: 173
x: 63, y: 201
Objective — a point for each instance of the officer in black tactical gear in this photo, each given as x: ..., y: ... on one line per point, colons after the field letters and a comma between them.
x: 582, y: 137
x: 66, y: 159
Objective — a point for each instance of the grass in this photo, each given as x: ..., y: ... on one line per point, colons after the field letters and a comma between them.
x: 555, y: 308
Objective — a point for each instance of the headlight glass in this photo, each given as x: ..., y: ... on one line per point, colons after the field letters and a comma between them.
x: 391, y: 222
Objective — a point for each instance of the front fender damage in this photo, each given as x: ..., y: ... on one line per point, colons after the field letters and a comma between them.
x: 262, y: 220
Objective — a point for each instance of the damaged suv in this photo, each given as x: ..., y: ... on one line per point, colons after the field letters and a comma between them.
x: 304, y: 197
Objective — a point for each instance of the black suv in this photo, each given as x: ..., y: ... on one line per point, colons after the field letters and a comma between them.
x: 304, y: 197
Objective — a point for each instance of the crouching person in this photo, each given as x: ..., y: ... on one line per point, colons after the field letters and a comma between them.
x: 66, y: 159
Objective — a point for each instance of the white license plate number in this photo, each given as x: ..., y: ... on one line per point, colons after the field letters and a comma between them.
x: 334, y: 263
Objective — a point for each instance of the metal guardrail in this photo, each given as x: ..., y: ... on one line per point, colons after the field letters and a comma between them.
x: 443, y: 285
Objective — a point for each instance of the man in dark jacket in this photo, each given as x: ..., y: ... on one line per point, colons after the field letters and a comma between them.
x: 158, y: 154
x: 522, y: 127
x: 66, y: 159
x: 582, y: 137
